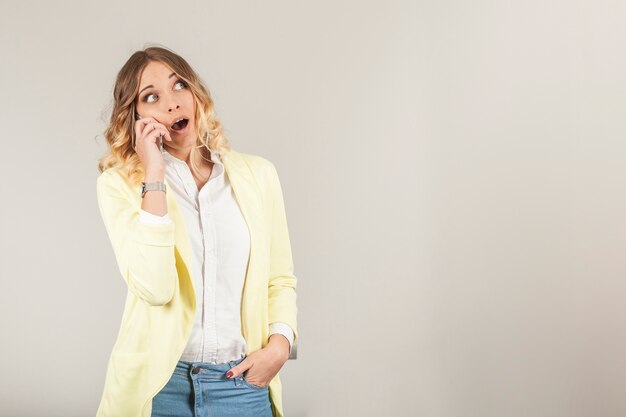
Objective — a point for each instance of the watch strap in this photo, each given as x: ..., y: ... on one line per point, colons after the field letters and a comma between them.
x: 152, y: 186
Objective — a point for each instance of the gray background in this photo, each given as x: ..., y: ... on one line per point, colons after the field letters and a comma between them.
x: 453, y: 175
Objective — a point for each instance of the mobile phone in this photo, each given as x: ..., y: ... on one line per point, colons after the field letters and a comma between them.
x: 159, y: 140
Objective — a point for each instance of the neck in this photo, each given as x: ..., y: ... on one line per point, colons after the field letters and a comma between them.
x: 201, y: 160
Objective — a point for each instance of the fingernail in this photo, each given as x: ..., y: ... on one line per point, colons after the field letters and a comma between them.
x: 229, y: 374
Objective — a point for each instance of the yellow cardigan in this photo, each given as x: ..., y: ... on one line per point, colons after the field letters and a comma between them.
x: 155, y: 259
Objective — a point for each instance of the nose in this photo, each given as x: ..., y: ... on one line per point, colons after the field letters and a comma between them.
x: 170, y: 109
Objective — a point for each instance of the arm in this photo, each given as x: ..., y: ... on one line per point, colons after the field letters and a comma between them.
x: 144, y: 252
x: 282, y: 282
x: 283, y: 329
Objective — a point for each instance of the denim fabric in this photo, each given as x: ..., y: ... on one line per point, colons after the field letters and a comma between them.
x: 208, y: 393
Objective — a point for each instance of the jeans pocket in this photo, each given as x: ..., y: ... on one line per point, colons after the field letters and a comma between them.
x: 250, y: 384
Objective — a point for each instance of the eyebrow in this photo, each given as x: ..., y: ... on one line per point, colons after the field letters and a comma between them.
x: 148, y: 86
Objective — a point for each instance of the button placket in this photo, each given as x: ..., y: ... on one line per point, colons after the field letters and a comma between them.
x: 189, y: 183
x: 209, y: 270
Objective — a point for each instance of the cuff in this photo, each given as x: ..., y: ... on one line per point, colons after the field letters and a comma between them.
x: 149, y: 218
x: 284, y: 329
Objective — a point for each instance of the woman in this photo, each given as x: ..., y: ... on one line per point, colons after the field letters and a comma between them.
x: 200, y: 237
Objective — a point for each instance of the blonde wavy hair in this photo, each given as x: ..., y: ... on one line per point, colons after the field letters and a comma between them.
x: 120, y: 134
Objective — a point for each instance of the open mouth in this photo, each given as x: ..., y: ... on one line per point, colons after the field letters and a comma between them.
x: 180, y: 124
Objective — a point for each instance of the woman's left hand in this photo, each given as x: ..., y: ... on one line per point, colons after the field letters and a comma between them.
x: 263, y: 365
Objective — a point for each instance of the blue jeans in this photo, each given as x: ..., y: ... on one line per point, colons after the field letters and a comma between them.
x: 201, y: 389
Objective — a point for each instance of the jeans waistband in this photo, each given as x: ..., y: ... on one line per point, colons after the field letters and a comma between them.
x: 207, y: 366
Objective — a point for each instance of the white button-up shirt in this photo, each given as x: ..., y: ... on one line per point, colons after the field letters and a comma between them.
x: 220, y: 242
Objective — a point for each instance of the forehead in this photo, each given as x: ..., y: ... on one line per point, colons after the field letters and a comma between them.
x: 155, y: 73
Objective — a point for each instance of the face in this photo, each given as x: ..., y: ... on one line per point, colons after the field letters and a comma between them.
x: 166, y: 98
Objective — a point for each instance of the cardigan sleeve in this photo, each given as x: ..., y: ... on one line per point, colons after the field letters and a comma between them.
x: 144, y: 252
x: 282, y: 282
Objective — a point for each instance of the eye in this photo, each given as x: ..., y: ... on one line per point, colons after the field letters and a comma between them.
x: 147, y: 96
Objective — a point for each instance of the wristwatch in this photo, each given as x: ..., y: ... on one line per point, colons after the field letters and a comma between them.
x: 149, y: 186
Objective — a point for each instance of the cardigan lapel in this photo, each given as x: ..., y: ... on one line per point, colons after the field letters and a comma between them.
x: 182, y: 245
x: 245, y: 188
x: 246, y: 192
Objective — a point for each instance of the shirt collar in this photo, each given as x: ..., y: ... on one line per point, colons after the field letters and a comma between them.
x: 169, y: 158
x: 183, y: 170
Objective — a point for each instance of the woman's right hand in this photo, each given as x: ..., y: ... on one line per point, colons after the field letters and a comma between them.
x: 147, y: 132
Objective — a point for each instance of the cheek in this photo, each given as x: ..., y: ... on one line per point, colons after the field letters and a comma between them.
x: 191, y: 103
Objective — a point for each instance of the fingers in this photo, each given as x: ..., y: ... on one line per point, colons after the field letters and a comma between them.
x: 157, y: 128
x: 149, y: 127
x: 235, y: 371
x: 152, y: 130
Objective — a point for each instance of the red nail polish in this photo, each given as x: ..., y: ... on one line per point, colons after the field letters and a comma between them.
x: 229, y: 374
